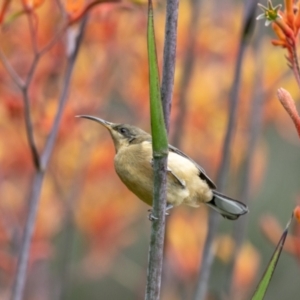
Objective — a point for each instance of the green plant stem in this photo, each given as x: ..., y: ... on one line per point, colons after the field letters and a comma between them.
x: 160, y: 111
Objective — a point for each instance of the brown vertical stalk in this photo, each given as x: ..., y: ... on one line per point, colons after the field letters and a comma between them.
x: 255, y: 118
x: 169, y: 58
x: 154, y: 270
x: 214, y: 219
x: 188, y: 66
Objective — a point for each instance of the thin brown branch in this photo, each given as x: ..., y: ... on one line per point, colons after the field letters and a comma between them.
x: 214, y: 219
x: 20, y: 279
x: 64, y: 95
x: 255, y: 119
x: 32, y: 70
x: 11, y: 71
x: 29, y: 130
x: 169, y: 58
x: 23, y: 86
x: 19, y: 283
x: 188, y: 66
x: 55, y: 38
x: 33, y: 23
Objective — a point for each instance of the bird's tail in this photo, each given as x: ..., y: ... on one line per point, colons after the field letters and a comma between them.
x: 229, y: 208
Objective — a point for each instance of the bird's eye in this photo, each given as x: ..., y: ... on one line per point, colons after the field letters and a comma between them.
x: 123, y: 130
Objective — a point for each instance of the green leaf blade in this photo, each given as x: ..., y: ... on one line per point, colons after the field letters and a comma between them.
x: 266, y: 279
x: 158, y: 128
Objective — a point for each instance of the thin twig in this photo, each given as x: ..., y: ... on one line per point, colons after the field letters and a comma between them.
x: 55, y: 38
x: 11, y: 71
x: 64, y: 95
x: 255, y: 119
x: 188, y: 66
x: 169, y: 58
x: 19, y: 283
x: 20, y: 279
x: 29, y: 130
x: 214, y: 218
x: 32, y: 69
x: 32, y: 21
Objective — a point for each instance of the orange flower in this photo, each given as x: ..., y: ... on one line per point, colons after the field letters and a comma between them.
x: 73, y: 7
x: 30, y: 4
x: 297, y: 213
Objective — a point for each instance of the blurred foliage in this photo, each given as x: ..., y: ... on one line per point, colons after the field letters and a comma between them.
x: 91, y: 237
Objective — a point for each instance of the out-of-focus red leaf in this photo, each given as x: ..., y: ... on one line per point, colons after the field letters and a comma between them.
x: 3, y: 10
x: 14, y: 107
x: 7, y: 262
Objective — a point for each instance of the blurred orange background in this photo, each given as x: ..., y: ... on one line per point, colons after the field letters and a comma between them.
x: 92, y: 235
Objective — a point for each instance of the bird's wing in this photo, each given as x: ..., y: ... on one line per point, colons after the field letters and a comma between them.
x: 202, y: 173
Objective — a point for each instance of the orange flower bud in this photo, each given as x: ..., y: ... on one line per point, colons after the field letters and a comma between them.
x: 297, y: 18
x: 297, y: 213
x: 278, y: 31
x: 73, y: 7
x: 279, y: 43
x: 289, y: 11
x: 289, y: 105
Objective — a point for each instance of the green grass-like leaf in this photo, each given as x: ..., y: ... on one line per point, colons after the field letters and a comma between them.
x: 159, y: 133
x: 265, y: 281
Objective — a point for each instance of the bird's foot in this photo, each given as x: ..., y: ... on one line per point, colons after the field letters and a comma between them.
x: 168, y: 208
x: 151, y: 217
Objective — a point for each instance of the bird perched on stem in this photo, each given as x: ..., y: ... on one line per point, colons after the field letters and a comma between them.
x: 187, y: 182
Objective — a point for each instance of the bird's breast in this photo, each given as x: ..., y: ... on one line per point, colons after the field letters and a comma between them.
x: 133, y: 166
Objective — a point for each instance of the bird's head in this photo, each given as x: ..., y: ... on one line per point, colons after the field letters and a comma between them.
x: 122, y: 134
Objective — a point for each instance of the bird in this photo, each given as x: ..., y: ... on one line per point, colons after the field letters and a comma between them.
x: 187, y: 182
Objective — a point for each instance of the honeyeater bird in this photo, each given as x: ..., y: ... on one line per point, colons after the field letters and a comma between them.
x: 187, y: 182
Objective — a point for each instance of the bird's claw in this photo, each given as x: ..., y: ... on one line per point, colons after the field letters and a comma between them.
x: 168, y: 208
x: 151, y: 217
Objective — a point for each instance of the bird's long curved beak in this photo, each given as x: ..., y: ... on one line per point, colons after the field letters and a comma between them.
x: 101, y: 121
